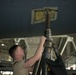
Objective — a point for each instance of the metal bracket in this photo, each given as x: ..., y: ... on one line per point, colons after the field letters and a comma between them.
x: 69, y: 39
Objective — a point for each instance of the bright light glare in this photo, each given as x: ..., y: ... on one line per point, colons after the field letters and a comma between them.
x: 2, y: 44
x: 7, y: 72
x: 73, y: 66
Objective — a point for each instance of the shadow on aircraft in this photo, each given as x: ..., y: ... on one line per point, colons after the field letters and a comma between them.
x: 15, y: 18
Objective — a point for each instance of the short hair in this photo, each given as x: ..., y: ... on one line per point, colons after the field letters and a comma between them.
x: 12, y: 50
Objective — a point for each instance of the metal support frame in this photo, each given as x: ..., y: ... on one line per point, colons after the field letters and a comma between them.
x: 17, y: 40
x: 28, y: 48
x: 69, y: 39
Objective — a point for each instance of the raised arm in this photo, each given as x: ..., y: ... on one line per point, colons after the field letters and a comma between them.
x: 37, y: 55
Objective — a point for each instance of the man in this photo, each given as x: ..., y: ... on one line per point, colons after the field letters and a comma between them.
x: 22, y: 66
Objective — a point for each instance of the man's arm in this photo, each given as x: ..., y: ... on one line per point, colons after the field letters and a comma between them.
x: 37, y: 55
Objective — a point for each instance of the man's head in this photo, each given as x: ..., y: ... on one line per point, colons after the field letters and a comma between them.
x: 16, y: 51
